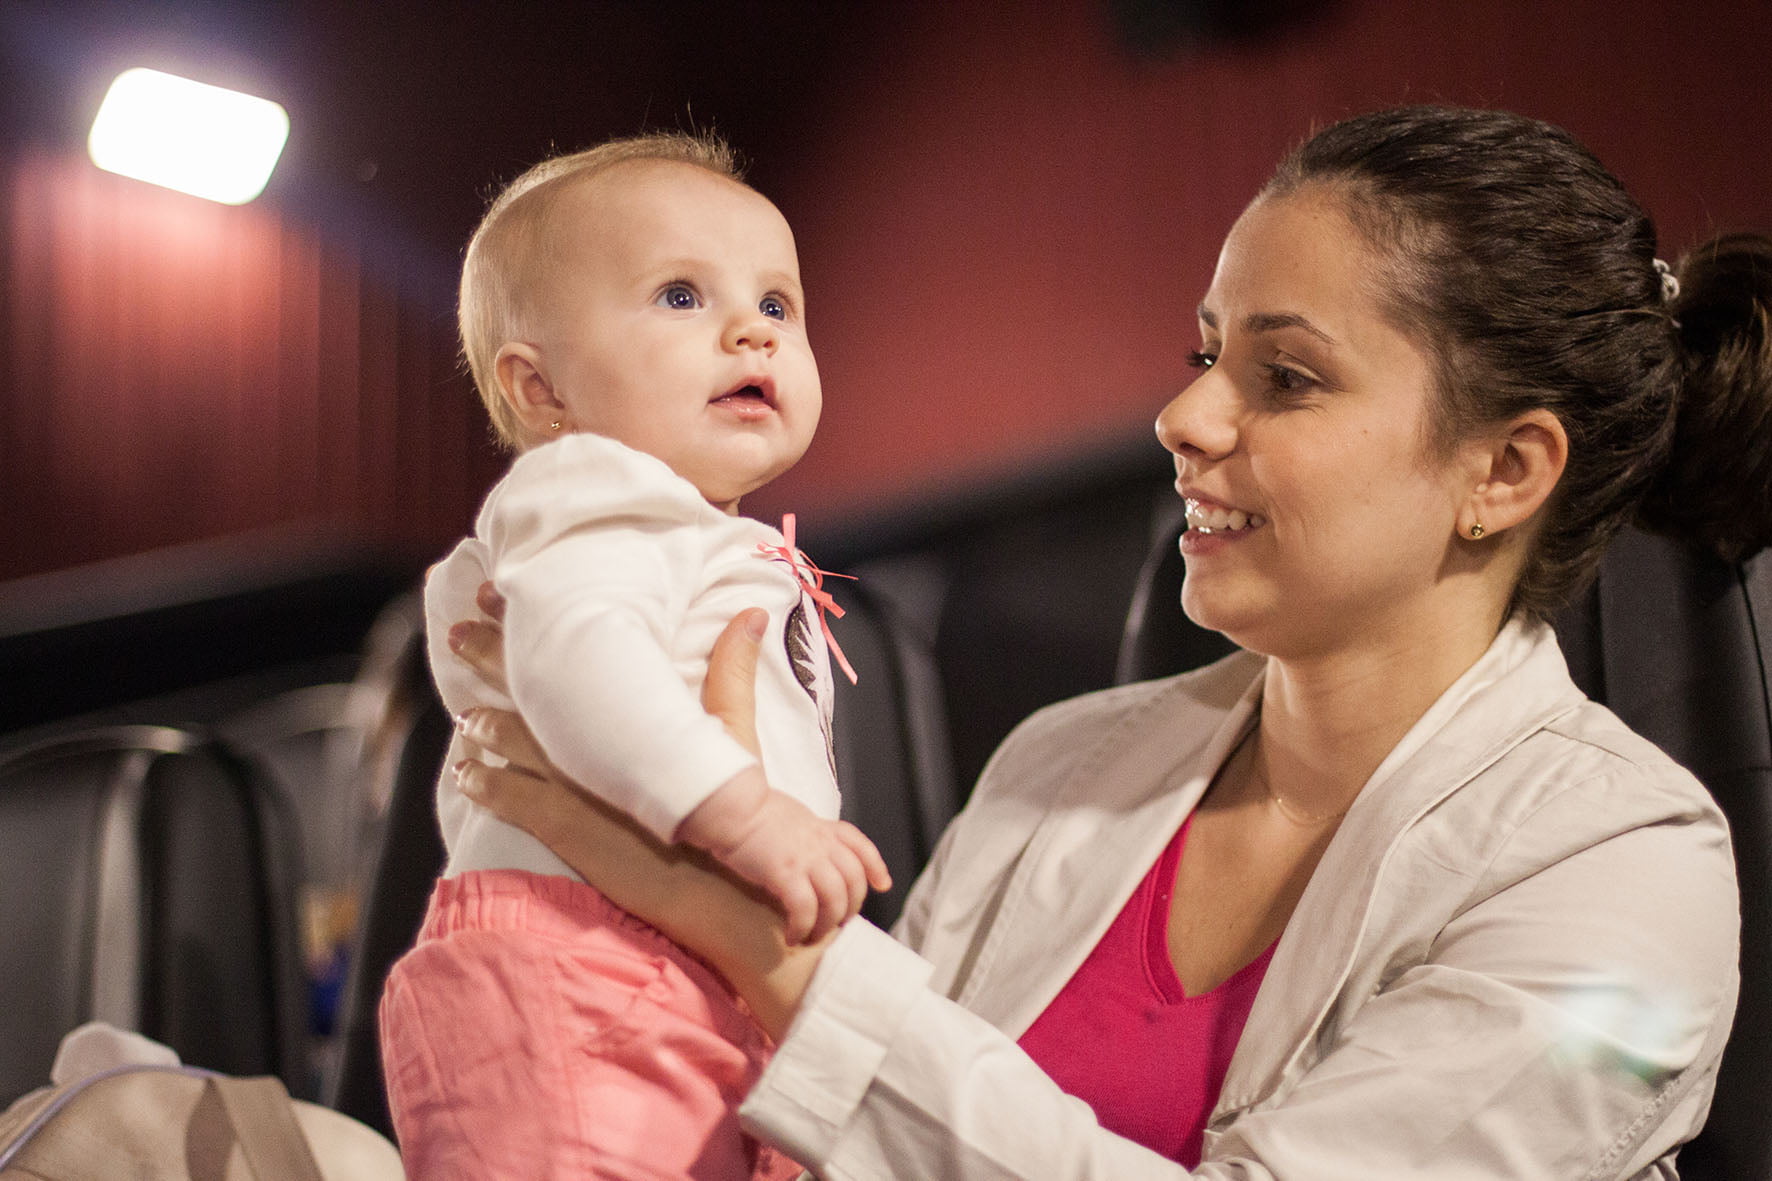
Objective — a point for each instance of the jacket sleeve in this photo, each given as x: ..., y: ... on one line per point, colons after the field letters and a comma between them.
x: 595, y: 552
x: 882, y: 1076
x: 1565, y: 1024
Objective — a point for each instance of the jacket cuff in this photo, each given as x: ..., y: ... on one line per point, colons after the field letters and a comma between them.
x: 858, y: 999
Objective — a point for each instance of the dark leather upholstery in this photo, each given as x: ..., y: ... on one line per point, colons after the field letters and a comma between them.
x: 406, y: 866
x: 1678, y: 644
x: 192, y: 852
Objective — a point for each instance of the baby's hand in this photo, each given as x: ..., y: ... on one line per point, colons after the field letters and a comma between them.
x: 818, y: 870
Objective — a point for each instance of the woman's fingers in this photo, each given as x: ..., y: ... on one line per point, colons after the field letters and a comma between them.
x: 730, y: 691
x: 588, y: 834
x: 490, y: 601
x: 506, y: 735
x: 514, y: 795
x: 482, y: 646
x: 481, y: 642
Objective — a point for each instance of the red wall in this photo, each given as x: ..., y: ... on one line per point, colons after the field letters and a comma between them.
x: 182, y: 370
x: 1005, y: 220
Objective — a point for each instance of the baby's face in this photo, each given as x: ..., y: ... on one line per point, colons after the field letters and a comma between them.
x: 674, y: 322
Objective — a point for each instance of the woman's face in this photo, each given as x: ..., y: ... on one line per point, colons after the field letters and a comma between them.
x: 1320, y: 515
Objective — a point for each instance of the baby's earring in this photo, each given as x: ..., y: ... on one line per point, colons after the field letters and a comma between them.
x: 555, y: 425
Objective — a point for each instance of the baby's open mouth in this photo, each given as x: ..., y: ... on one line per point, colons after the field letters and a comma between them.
x: 750, y: 394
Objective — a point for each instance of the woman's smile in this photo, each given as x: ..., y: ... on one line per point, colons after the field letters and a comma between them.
x: 1208, y: 517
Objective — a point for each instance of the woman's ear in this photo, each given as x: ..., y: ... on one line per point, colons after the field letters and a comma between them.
x: 1517, y: 468
x: 524, y: 384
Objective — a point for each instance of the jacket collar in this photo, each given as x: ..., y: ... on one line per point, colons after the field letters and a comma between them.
x: 1102, y: 830
x: 1519, y: 685
x: 1125, y: 798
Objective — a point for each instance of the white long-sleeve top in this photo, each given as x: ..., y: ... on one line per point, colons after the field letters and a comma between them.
x: 1517, y: 957
x: 618, y: 577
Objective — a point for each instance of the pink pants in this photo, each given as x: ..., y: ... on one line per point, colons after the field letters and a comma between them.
x: 537, y: 1031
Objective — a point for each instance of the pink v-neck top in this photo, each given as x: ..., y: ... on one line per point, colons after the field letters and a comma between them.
x: 1126, y: 1039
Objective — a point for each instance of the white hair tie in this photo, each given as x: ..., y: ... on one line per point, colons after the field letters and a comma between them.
x: 1670, y: 286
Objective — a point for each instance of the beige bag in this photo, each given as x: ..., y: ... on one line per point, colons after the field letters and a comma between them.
x: 178, y: 1123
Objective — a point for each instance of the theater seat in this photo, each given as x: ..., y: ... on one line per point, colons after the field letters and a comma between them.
x: 411, y: 742
x: 149, y: 881
x: 1678, y: 644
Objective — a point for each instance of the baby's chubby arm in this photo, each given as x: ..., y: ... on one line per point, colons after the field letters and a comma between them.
x: 818, y: 870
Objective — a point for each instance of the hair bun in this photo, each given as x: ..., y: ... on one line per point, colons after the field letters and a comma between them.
x: 1716, y: 490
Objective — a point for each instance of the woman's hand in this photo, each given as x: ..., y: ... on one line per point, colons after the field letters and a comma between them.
x: 678, y: 890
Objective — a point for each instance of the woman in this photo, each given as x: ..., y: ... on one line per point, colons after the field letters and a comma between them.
x: 1454, y: 919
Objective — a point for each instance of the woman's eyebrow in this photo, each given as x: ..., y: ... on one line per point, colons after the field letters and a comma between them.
x: 1274, y: 321
x: 1267, y: 322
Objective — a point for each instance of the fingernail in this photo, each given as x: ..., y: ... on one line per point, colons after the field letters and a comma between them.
x: 456, y: 636
x: 462, y: 721
x: 462, y: 781
x: 756, y: 624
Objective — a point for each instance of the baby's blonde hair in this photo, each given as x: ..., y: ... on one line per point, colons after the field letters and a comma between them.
x: 509, y: 248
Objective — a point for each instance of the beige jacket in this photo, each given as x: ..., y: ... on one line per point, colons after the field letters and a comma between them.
x: 1516, y: 959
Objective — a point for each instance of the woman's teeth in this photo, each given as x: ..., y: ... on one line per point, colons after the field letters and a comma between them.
x: 1213, y: 519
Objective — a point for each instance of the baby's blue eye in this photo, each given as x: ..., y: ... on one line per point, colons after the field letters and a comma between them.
x: 678, y: 297
x: 773, y: 308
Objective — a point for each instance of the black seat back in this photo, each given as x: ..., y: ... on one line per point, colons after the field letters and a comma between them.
x: 1678, y: 645
x: 406, y: 855
x: 148, y: 878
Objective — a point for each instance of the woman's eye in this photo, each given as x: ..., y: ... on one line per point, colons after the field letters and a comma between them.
x: 1201, y: 360
x: 678, y: 297
x: 1284, y: 380
x: 772, y: 307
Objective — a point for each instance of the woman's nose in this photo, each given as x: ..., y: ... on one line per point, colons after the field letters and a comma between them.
x: 1199, y: 422
x: 753, y: 331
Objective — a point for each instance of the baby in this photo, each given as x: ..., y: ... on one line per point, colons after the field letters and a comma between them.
x: 635, y: 324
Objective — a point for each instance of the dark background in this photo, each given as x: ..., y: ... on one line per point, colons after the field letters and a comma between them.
x: 1006, y: 213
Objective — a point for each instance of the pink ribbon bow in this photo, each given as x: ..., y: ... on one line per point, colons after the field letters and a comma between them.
x: 812, y: 580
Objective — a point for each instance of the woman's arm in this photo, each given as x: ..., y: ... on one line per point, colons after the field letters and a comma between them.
x: 679, y: 890
x: 880, y: 1032
x: 1508, y: 1052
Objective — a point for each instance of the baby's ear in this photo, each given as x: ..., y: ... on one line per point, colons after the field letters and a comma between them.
x: 524, y: 385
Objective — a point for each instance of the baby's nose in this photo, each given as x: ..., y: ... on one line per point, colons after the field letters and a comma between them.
x: 756, y: 331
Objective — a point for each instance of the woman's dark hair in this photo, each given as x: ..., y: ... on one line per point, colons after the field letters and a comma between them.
x: 1528, y: 274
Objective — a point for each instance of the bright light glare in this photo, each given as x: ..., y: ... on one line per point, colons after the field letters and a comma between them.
x: 189, y: 136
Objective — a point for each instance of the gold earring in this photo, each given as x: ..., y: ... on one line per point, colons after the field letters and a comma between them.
x: 556, y: 424
x: 1477, y: 531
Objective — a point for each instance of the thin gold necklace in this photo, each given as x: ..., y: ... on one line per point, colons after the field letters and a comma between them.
x: 1291, y: 811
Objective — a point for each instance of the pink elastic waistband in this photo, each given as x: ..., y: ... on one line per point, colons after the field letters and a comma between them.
x: 514, y: 899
